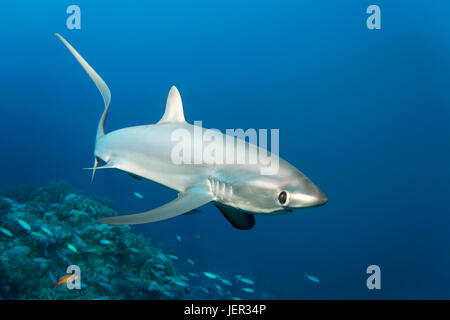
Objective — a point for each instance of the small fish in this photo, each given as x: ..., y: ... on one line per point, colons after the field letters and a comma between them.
x: 249, y: 290
x: 178, y: 238
x: 190, y: 261
x: 93, y: 210
x: 79, y: 241
x: 134, y: 250
x: 11, y: 202
x: 52, y: 277
x: 37, y: 234
x: 161, y: 256
x: 72, y: 247
x: 131, y: 275
x: 225, y: 281
x: 47, y: 231
x: 312, y: 278
x: 192, y: 274
x: 235, y: 298
x: 204, y: 290
x: 210, y: 275
x: 245, y: 280
x: 63, y: 257
x: 103, y: 278
x: 104, y: 241
x: 174, y: 257
x: 40, y: 260
x: 180, y: 283
x: 46, y: 254
x: 183, y: 277
x: 23, y: 224
x: 114, y: 260
x: 104, y: 285
x: 218, y: 287
x: 138, y: 195
x: 197, y: 236
x: 6, y: 232
x: 65, y: 279
x: 126, y: 283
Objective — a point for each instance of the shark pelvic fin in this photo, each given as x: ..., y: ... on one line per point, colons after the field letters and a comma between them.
x: 186, y: 201
x: 106, y: 166
x: 135, y: 176
x: 174, y: 108
x: 95, y: 168
x: 109, y: 165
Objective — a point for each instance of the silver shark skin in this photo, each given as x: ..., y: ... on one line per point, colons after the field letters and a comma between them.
x: 238, y: 190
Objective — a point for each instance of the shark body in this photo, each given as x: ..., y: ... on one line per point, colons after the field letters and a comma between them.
x: 238, y: 190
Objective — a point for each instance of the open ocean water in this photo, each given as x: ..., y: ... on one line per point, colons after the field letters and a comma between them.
x: 363, y: 113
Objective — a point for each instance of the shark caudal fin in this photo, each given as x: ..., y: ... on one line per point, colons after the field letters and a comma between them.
x: 102, y: 87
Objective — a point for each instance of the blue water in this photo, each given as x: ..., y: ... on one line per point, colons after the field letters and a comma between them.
x: 363, y: 113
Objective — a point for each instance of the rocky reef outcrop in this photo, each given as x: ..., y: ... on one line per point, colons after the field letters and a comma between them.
x: 44, y: 230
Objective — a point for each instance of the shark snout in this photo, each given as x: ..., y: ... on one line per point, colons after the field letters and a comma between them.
x: 320, y: 199
x: 307, y: 199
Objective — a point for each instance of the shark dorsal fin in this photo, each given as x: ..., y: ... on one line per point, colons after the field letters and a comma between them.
x: 174, y: 108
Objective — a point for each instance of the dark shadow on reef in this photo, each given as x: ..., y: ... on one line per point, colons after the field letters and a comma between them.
x: 44, y: 230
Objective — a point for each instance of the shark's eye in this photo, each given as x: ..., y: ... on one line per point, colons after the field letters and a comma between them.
x: 283, y: 198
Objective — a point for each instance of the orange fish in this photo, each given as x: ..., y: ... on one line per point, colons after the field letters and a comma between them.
x: 65, y: 279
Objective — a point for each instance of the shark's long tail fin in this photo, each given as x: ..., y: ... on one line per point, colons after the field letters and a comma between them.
x: 102, y: 87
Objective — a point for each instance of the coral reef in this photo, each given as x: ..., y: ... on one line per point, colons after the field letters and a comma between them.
x: 44, y: 230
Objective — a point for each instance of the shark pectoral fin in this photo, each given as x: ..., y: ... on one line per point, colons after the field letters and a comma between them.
x: 186, y: 201
x: 238, y: 219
